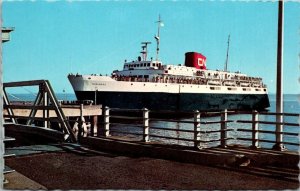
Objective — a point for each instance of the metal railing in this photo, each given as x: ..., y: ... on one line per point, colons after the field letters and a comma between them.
x: 256, y: 130
x: 195, y: 134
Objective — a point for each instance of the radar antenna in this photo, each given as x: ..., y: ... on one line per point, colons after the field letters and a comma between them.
x: 226, y: 62
x: 157, y: 37
x: 145, y: 50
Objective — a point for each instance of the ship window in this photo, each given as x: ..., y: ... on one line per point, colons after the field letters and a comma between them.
x: 146, y: 76
x: 153, y: 64
x: 246, y: 89
x: 215, y: 88
x: 145, y: 64
x: 231, y: 88
x: 257, y: 89
x: 148, y: 64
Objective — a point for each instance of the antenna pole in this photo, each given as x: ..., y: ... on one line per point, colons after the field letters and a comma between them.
x: 226, y: 62
x: 157, y: 37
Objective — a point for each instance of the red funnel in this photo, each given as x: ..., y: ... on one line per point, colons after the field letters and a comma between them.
x: 194, y: 59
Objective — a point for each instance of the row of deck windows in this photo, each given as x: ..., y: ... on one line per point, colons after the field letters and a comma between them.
x: 142, y: 65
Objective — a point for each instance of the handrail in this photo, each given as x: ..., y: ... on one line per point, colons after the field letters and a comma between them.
x: 39, y: 107
x: 176, y: 138
x: 126, y: 132
x: 125, y: 117
x: 199, y: 132
x: 124, y: 109
x: 269, y: 132
x: 217, y: 131
x: 269, y: 141
x: 269, y: 122
x: 285, y: 114
x: 214, y: 122
x: 172, y: 120
x: 172, y: 129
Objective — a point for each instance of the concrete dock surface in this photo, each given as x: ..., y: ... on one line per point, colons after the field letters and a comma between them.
x: 72, y: 166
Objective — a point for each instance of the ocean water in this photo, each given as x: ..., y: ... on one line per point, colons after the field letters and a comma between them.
x: 291, y: 104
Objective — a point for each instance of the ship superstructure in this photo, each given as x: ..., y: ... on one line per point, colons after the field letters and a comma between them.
x: 144, y: 83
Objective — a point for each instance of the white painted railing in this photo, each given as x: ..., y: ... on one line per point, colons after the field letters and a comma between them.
x: 141, y: 120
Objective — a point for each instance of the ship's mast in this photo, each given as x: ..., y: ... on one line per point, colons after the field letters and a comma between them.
x: 160, y: 24
x: 226, y: 62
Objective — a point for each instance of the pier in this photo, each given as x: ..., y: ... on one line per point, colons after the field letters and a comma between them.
x: 222, y: 142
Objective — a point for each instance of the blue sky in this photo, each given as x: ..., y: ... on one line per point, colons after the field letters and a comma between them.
x: 52, y: 39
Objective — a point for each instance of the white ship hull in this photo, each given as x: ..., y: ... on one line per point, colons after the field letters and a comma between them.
x: 167, y: 96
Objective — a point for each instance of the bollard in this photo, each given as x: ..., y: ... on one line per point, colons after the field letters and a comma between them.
x: 106, y: 121
x: 255, y: 130
x: 223, y: 136
x: 146, y: 125
x: 197, y: 129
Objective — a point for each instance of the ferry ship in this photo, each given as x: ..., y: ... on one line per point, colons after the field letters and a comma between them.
x: 148, y: 83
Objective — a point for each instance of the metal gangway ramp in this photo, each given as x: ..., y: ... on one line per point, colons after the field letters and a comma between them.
x: 44, y: 105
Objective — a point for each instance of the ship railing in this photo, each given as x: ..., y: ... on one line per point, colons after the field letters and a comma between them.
x: 201, y: 129
x: 197, y: 81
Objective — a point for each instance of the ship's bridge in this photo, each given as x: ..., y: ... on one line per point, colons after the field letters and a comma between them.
x: 142, y: 65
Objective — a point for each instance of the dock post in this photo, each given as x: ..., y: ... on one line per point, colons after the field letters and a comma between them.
x: 197, y: 129
x: 45, y: 104
x: 106, y: 121
x: 146, y: 137
x: 223, y: 136
x: 94, y: 126
x: 80, y: 124
x: 255, y: 130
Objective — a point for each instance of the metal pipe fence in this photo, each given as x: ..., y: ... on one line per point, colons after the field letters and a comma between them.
x: 194, y: 131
